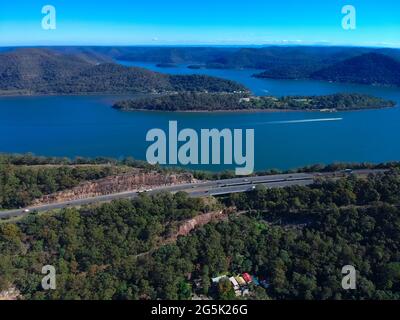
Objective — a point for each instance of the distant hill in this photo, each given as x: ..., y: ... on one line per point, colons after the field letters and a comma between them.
x: 169, y: 54
x: 277, y: 56
x: 260, y: 57
x: 44, y: 71
x: 371, y: 68
x: 67, y: 70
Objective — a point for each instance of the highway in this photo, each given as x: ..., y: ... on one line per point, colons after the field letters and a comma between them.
x: 199, y: 189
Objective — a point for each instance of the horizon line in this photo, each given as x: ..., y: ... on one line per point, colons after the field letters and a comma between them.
x: 378, y: 46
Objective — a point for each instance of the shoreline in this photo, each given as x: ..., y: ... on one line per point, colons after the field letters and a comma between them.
x: 254, y: 110
x: 117, y: 95
x: 377, y: 85
x: 39, y: 95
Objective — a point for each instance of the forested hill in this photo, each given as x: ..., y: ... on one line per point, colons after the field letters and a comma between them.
x: 236, y: 57
x: 296, y: 239
x: 230, y: 102
x: 370, y: 68
x: 43, y: 71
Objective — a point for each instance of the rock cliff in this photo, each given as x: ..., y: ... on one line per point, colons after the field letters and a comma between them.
x: 133, y: 181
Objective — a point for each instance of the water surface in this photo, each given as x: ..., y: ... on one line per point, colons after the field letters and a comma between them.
x: 88, y: 126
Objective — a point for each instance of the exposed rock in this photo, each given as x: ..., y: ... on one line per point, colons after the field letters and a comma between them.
x: 187, y: 226
x: 199, y: 221
x: 133, y: 181
x: 10, y: 294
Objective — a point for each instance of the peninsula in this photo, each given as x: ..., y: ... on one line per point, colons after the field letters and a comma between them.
x: 41, y: 71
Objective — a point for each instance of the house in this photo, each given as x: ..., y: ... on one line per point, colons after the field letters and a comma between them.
x: 234, y: 283
x: 247, y: 277
x: 244, y: 99
x: 218, y: 279
x: 240, y: 280
x: 245, y: 292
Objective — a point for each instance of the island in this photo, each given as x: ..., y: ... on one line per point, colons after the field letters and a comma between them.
x: 201, y: 101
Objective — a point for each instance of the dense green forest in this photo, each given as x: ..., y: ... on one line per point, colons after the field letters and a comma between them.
x: 183, y: 101
x: 370, y: 68
x: 297, y: 238
x: 191, y: 101
x: 85, y: 70
x: 309, y: 58
x: 341, y: 64
x: 43, y: 71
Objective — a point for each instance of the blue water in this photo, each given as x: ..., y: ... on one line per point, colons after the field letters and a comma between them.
x: 88, y: 126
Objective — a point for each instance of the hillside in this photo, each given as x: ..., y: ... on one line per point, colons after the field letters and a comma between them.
x: 81, y: 70
x: 371, y: 68
x: 296, y: 239
x: 44, y: 71
x: 235, y: 57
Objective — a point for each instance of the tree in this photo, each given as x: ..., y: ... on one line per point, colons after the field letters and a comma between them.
x: 225, y: 290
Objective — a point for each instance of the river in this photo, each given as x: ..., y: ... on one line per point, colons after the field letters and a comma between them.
x: 87, y: 125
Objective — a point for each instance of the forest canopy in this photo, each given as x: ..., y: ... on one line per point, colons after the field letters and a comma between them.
x: 45, y: 72
x: 296, y: 238
x: 194, y: 101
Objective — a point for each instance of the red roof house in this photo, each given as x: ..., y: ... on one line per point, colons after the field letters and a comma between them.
x: 247, y: 277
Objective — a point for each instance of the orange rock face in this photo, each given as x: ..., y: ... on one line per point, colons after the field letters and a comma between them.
x: 132, y: 181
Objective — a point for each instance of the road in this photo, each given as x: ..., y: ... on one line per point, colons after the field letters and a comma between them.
x: 200, y: 189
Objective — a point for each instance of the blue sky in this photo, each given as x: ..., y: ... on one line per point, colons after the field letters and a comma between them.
x: 171, y: 22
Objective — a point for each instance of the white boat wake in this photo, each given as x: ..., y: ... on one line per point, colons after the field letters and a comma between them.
x: 304, y: 121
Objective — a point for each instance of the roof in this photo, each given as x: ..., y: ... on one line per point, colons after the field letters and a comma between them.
x: 256, y: 281
x: 218, y: 279
x: 234, y: 282
x: 247, y: 277
x: 240, y: 280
